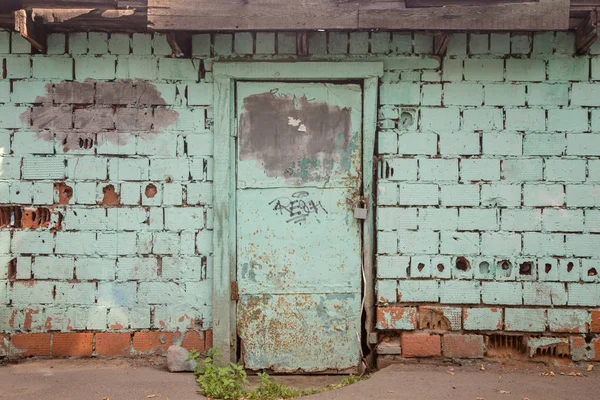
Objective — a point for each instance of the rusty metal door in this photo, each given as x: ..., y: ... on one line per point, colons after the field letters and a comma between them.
x: 298, y: 243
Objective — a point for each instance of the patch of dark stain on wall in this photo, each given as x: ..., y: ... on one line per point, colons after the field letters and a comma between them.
x: 282, y: 132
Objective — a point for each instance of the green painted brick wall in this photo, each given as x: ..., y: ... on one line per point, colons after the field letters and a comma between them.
x: 493, y: 154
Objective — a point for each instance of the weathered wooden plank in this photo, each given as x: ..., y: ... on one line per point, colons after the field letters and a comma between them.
x: 587, y: 33
x: 92, y: 19
x: 440, y: 44
x: 448, y: 3
x: 544, y: 15
x: 32, y: 31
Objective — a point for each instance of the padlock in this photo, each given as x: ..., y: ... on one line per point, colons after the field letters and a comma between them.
x: 360, y: 211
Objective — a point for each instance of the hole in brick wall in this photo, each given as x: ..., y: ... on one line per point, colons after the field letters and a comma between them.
x: 548, y: 267
x: 560, y: 350
x: 385, y: 171
x: 504, y: 268
x: 111, y: 198
x: 433, y: 319
x: 592, y: 272
x: 420, y: 267
x: 12, y: 269
x: 65, y: 193
x: 35, y: 218
x: 85, y: 143
x: 484, y: 268
x: 440, y: 267
x: 150, y: 191
x: 10, y: 217
x: 570, y: 267
x: 463, y: 264
x: 525, y: 268
x: 406, y: 120
x: 408, y: 271
x: 505, y: 346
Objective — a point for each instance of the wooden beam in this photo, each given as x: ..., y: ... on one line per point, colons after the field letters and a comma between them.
x: 181, y: 44
x: 587, y: 33
x: 32, y: 31
x: 449, y: 3
x: 236, y: 15
x: 440, y: 44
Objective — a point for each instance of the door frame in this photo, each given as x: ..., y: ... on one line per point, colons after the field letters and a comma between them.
x: 225, y: 76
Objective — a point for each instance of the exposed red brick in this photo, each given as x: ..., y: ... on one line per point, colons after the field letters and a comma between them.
x: 463, y: 346
x: 155, y: 342
x: 72, y: 344
x: 208, y: 338
x: 111, y: 198
x: 595, y: 321
x: 396, y: 318
x: 29, y: 313
x: 32, y: 344
x: 194, y: 341
x: 113, y: 344
x: 421, y: 345
x: 65, y: 193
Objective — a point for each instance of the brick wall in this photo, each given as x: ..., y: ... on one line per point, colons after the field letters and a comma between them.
x: 487, y: 192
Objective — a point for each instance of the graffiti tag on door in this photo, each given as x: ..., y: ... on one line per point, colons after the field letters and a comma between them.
x: 298, y: 207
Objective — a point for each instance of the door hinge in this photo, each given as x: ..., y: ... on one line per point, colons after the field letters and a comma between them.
x: 235, y: 291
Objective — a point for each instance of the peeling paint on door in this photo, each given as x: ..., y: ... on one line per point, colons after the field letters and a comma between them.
x: 298, y: 244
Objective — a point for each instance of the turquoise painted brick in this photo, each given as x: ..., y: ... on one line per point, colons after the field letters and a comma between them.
x: 522, y: 170
x: 568, y: 69
x: 95, y: 268
x: 115, y: 243
x: 583, y: 144
x: 437, y: 219
x: 595, y: 68
x: 137, y: 67
x: 564, y: 43
x: 585, y: 94
x: 418, y: 291
x: 19, y: 45
x: 441, y: 267
x: 18, y: 67
x: 204, y: 242
x: 474, y: 169
x: 13, y: 116
x: 595, y: 120
x: 23, y: 267
x: 583, y: 294
x: 423, y: 43
x: 29, y: 91
x: 420, y: 267
x: 396, y: 218
x: 457, y: 46
x: 97, y: 43
x: 479, y: 43
x: 543, y: 244
x: 286, y: 43
x: 568, y: 120
x: 75, y: 243
x: 548, y: 271
x: 117, y: 294
x: 11, y: 167
x: 506, y: 293
x: 172, y: 194
x: 460, y: 292
x: 459, y: 243
x: 87, y: 168
x: 543, y: 195
x: 386, y: 291
x: 32, y: 242
x: 139, y: 269
x: 75, y: 293
x: 593, y: 170
x: 410, y: 76
x: 482, y: 119
x: 200, y: 94
x: 595, y: 48
x: 130, y: 194
x: 592, y: 221
x: 4, y: 42
x: 5, y: 92
x: 53, y: 267
x: 21, y: 192
x: 199, y: 193
x: 484, y: 268
x: 200, y: 145
x: 387, y: 112
x: 565, y: 170
x: 317, y: 43
x: 520, y: 220
x: 588, y: 266
x: 583, y: 195
x: 476, y: 219
x: 525, y: 70
x: 459, y: 195
x: 139, y: 317
x: 544, y: 144
x: 141, y: 44
x: 78, y: 43
x: 544, y: 294
x: 85, y: 219
x: 402, y: 42
x: 468, y: 94
x: 178, y: 69
x: 381, y: 42
x: 387, y: 242
x: 440, y: 119
x: 414, y: 194
x: 128, y: 169
x: 502, y: 143
x: 485, y: 319
x: 404, y: 169
x: 160, y: 45
x: 543, y: 42
x: 85, y: 193
x: 431, y: 95
x: 56, y: 43
x: 399, y: 93
x: 438, y: 169
x: 520, y: 43
x: 561, y: 320
x: 127, y: 219
x: 37, y: 167
x: 500, y: 243
x: 174, y: 169
x: 53, y: 68
x: 359, y: 42
x: 526, y: 119
x: 201, y: 45
x: 184, y: 218
x: 417, y: 143
x: 28, y: 293
x: 583, y: 245
x: 485, y: 70
x: 243, y: 43
x: 459, y: 143
x: 265, y: 43
x: 452, y: 69
x: 418, y: 242
x: 540, y: 94
x: 500, y: 43
x: 156, y: 219
x: 26, y: 142
x: 119, y: 43
x: 569, y: 270
x: 166, y: 243
x: 525, y: 319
